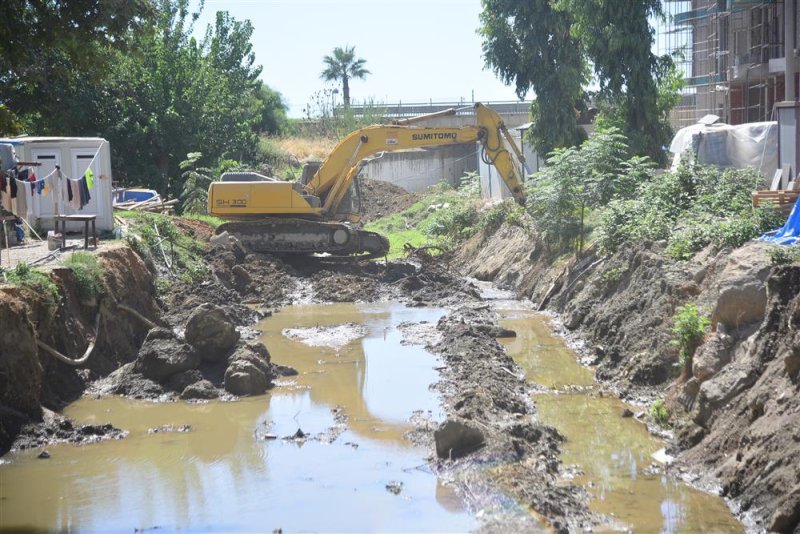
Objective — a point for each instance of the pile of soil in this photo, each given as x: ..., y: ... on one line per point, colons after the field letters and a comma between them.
x: 488, y: 401
x: 735, y: 410
x: 379, y: 199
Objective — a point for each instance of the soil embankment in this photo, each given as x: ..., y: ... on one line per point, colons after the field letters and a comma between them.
x: 735, y: 415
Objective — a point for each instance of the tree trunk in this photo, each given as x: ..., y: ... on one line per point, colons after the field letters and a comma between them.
x: 163, y: 168
x: 346, y: 90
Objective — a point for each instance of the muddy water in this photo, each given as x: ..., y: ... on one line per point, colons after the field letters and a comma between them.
x: 227, y: 473
x: 612, y: 455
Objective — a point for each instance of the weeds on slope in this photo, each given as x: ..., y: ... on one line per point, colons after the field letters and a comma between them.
x: 160, y: 242
x: 445, y: 217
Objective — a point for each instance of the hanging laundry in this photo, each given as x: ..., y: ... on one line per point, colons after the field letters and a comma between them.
x: 47, y: 185
x: 5, y: 193
x: 84, y: 192
x: 89, y: 175
x: 74, y: 194
x: 22, y: 202
x: 13, y: 186
x: 32, y: 180
x: 40, y: 186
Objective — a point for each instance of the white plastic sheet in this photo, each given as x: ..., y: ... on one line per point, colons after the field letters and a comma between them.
x: 751, y: 145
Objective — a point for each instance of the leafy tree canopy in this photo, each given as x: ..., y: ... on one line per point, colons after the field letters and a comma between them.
x: 549, y: 45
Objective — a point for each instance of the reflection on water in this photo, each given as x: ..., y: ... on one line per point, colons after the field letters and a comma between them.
x: 220, y: 476
x: 612, y: 452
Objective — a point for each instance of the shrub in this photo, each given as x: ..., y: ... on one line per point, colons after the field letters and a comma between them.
x: 783, y: 255
x: 577, y: 180
x: 689, y: 329
x: 612, y: 275
x: 690, y: 208
x: 660, y: 413
x: 88, y: 274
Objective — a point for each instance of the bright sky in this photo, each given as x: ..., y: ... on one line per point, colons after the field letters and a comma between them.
x: 416, y: 50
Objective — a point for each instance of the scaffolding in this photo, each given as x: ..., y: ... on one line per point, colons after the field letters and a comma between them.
x: 725, y: 50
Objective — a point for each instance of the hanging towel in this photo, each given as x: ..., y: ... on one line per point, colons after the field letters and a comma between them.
x: 74, y: 194
x: 84, y: 192
x: 89, y: 175
x: 13, y: 187
x: 22, y: 202
x: 5, y: 193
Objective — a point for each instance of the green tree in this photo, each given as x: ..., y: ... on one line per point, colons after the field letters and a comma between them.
x: 273, y: 118
x: 48, y: 50
x: 529, y: 44
x: 179, y: 96
x: 343, y: 65
x: 546, y: 45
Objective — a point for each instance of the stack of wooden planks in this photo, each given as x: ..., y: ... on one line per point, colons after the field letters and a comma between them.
x: 782, y: 199
x: 154, y: 205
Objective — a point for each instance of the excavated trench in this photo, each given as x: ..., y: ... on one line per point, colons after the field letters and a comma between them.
x: 325, y: 450
x: 341, y: 446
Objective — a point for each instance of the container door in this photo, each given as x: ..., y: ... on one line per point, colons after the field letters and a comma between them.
x: 81, y: 158
x: 44, y: 206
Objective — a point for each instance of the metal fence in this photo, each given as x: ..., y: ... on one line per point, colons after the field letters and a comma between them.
x: 463, y: 107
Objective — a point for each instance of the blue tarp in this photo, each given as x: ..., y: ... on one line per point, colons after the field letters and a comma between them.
x: 790, y: 233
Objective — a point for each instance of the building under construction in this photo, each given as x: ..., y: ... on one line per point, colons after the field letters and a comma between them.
x: 736, y: 56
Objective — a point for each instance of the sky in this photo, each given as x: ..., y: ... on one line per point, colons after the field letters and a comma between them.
x: 416, y: 50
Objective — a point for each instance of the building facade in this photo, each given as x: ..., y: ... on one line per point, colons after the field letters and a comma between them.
x: 736, y: 57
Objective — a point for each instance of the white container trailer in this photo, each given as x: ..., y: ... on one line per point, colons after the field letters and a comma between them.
x: 73, y: 155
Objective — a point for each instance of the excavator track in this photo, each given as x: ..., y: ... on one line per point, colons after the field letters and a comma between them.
x: 300, y: 236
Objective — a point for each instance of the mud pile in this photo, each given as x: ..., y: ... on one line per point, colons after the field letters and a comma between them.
x: 734, y: 415
x: 379, y: 199
x: 491, y: 420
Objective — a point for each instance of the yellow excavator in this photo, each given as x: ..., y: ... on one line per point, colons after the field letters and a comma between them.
x: 317, y: 214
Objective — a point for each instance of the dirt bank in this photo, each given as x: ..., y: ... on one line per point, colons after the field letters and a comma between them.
x: 31, y: 379
x: 491, y: 420
x: 734, y: 415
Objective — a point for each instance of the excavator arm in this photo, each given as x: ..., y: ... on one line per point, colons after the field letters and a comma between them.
x: 331, y: 182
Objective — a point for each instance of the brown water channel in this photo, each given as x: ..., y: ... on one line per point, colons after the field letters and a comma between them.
x: 612, y: 455
x: 227, y: 473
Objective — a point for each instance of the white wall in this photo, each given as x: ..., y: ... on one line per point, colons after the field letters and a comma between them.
x: 417, y: 170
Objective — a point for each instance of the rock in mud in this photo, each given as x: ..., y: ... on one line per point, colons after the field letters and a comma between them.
x: 244, y: 378
x: 712, y: 356
x: 211, y: 333
x: 179, y: 381
x: 163, y: 355
x: 202, y: 389
x: 742, y: 287
x: 455, y: 439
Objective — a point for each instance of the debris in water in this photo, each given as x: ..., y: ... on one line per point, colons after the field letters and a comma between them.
x: 169, y: 428
x: 44, y: 455
x: 661, y: 456
x: 394, y: 487
x: 627, y: 413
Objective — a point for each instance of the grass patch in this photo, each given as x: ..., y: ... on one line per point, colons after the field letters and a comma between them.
x: 210, y: 220
x: 88, y: 272
x: 176, y: 254
x: 35, y: 285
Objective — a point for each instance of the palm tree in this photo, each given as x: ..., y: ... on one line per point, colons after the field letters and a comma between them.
x: 343, y: 65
